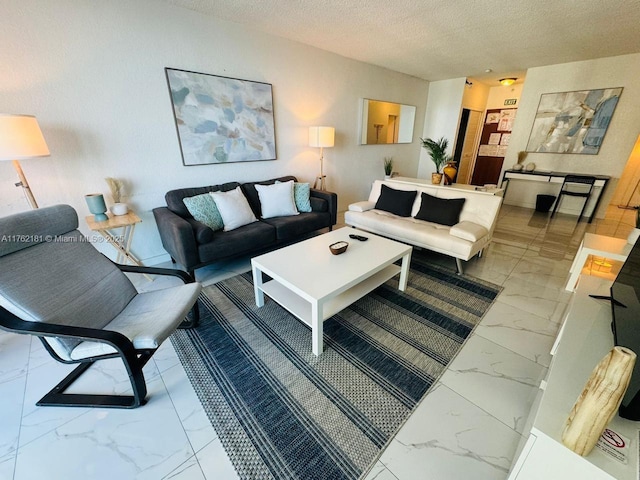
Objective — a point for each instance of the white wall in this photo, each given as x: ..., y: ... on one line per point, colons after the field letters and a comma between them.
x: 621, y: 71
x: 498, y: 94
x: 441, y: 118
x: 93, y: 74
x: 475, y: 97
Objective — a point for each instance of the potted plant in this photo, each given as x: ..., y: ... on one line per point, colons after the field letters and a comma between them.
x: 117, y: 189
x: 438, y: 151
x: 388, y: 167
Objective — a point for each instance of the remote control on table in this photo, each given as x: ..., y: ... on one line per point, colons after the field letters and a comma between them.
x: 358, y: 237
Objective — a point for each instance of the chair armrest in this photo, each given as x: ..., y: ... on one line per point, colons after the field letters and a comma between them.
x: 332, y: 202
x: 177, y: 237
x: 468, y: 231
x: 122, y: 344
x: 184, y: 276
x: 361, y: 206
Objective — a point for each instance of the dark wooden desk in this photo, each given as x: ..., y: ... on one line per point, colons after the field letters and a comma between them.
x: 553, y: 177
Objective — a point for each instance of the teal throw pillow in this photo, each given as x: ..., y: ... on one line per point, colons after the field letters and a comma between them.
x: 301, y: 194
x: 203, y: 208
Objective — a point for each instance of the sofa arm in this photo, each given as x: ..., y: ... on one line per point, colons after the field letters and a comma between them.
x: 177, y: 237
x: 468, y: 231
x: 332, y: 202
x: 361, y: 206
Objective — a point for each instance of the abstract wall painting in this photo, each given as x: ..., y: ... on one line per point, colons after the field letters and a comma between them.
x: 573, y: 122
x: 221, y: 119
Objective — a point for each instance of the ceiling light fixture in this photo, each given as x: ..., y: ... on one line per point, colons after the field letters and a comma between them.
x: 507, y: 81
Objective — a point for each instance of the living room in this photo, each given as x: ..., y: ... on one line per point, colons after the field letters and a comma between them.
x: 93, y: 75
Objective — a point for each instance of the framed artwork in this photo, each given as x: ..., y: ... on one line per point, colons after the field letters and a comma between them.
x: 221, y: 119
x: 573, y: 122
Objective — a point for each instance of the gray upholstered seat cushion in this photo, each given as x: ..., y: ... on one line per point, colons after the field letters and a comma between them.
x: 141, y: 322
x: 66, y: 281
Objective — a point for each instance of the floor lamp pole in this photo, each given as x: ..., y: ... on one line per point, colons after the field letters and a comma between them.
x: 25, y: 185
x: 322, y: 176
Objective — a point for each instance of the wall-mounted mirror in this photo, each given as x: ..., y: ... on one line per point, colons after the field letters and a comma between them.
x: 385, y: 122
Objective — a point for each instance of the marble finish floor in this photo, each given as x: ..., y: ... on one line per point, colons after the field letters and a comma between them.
x: 468, y: 426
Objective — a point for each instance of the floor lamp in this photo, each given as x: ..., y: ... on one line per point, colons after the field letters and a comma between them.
x: 321, y: 137
x: 20, y: 138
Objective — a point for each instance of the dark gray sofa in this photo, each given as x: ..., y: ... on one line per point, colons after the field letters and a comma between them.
x: 193, y: 244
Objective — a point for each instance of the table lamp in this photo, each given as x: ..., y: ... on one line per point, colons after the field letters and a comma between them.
x: 321, y: 137
x: 20, y: 137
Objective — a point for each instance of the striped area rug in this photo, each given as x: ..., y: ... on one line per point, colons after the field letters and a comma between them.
x: 282, y: 412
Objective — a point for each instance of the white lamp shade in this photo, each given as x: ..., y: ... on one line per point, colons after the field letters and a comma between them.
x: 321, y: 136
x: 20, y: 137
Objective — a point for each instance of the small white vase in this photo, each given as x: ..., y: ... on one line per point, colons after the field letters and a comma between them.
x: 387, y: 177
x: 633, y: 236
x: 119, y: 209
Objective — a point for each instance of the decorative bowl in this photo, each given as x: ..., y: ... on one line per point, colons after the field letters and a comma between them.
x: 338, y: 247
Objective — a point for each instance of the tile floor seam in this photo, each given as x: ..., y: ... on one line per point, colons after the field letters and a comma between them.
x: 448, y: 369
x: 510, y: 349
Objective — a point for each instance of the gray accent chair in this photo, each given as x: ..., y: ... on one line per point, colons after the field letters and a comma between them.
x: 55, y: 285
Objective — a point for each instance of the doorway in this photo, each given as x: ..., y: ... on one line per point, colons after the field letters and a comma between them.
x: 496, y: 133
x: 470, y: 123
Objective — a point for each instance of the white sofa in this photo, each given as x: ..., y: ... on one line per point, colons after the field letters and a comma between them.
x: 461, y: 241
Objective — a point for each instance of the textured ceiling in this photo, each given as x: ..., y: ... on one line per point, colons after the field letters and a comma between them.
x: 441, y: 39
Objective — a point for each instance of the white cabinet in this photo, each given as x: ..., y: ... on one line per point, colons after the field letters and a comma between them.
x: 585, y: 337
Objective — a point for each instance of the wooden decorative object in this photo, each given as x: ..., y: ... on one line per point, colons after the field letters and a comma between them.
x: 599, y: 401
x: 338, y: 247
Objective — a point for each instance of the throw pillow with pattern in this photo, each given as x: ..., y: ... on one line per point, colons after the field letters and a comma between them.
x: 203, y: 208
x: 302, y: 196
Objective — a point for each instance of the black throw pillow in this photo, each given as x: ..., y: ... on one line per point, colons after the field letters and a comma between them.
x: 445, y: 211
x: 398, y: 202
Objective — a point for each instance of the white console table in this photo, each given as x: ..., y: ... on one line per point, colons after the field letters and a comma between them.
x: 601, y: 246
x: 585, y: 337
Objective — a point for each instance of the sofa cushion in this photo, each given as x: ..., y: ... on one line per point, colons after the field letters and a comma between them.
x: 249, y: 190
x: 288, y: 228
x: 277, y: 200
x: 398, y: 202
x: 319, y: 204
x: 407, y: 229
x: 440, y: 210
x: 203, y: 208
x: 234, y: 208
x: 252, y: 237
x: 468, y: 231
x: 174, y: 197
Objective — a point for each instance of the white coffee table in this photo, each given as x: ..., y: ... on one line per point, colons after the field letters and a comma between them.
x: 314, y: 284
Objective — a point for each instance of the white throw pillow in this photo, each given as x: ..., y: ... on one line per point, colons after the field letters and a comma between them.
x: 234, y: 208
x: 277, y: 200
